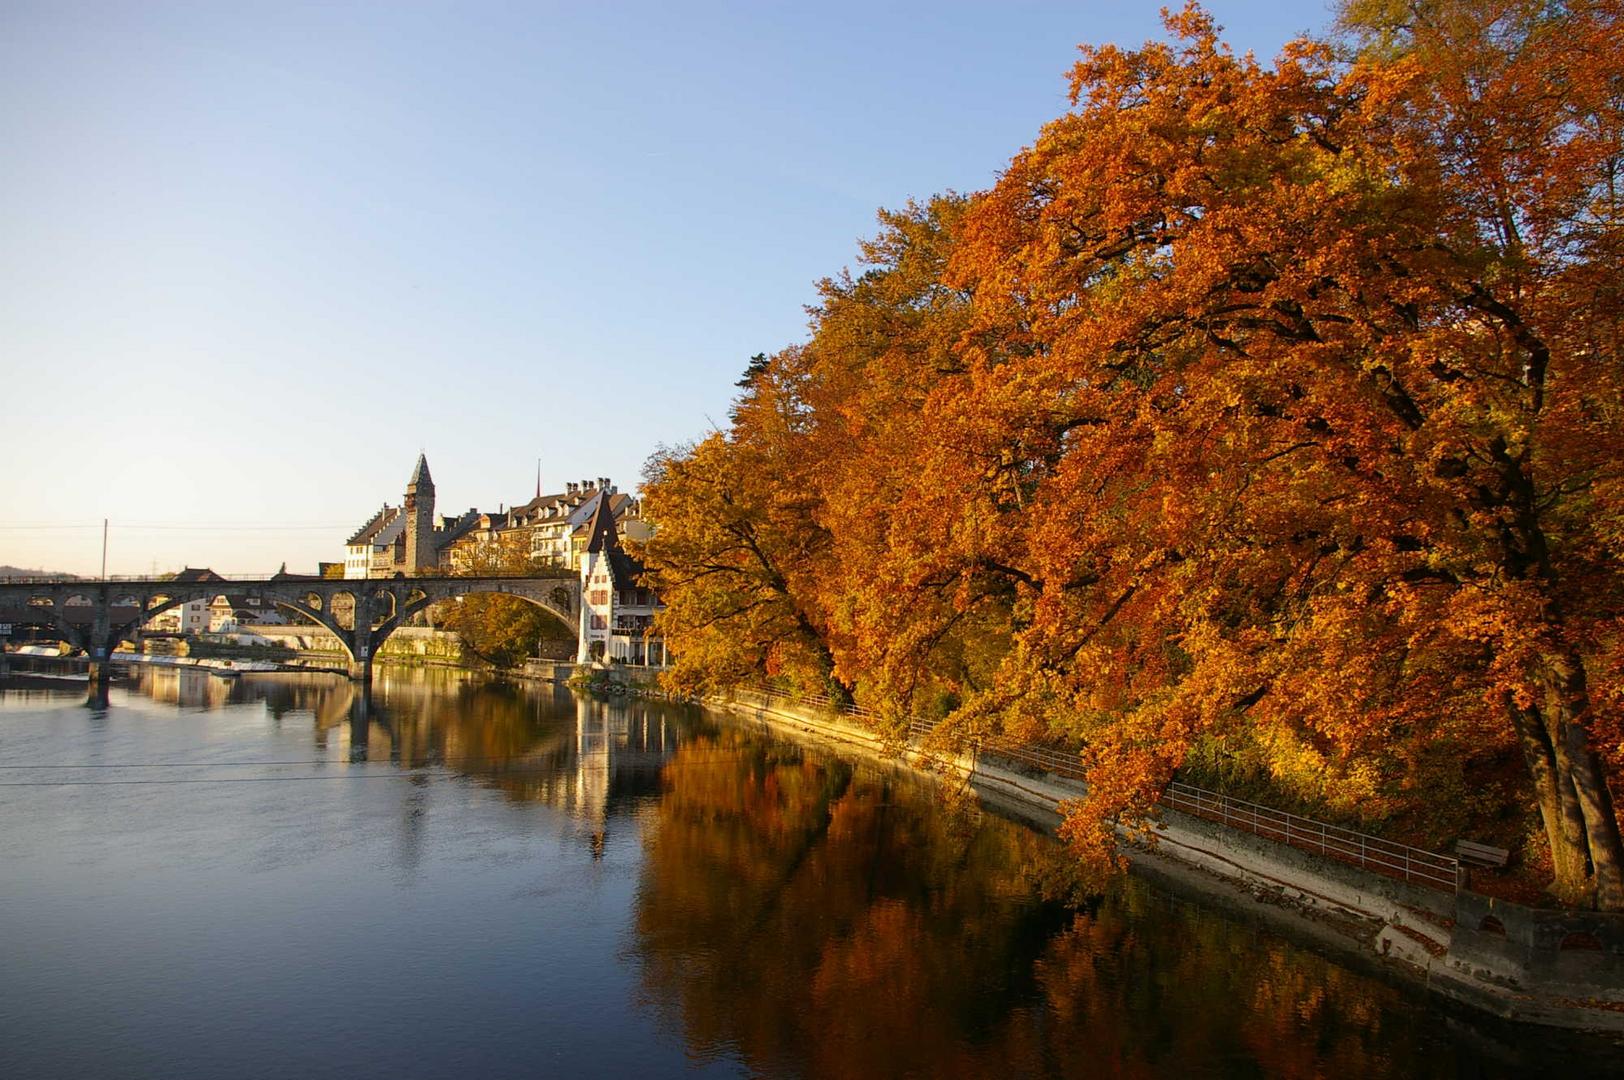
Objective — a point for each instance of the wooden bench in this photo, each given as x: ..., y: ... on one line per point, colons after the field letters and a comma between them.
x: 1474, y: 854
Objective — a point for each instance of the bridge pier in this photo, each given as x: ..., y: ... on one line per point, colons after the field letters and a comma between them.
x: 380, y: 606
x: 361, y: 722
x: 101, y: 676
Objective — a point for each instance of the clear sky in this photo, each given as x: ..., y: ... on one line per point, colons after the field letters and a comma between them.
x: 254, y: 257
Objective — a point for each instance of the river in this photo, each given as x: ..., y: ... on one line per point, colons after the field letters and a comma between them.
x: 271, y: 877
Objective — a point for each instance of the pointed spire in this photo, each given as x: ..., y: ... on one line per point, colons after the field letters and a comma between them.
x: 420, y: 474
x: 601, y: 536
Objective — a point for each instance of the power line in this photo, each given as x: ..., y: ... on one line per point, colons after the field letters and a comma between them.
x: 210, y: 764
x: 201, y: 780
x: 400, y: 772
x: 131, y: 526
x: 445, y: 763
x: 138, y: 527
x: 267, y: 764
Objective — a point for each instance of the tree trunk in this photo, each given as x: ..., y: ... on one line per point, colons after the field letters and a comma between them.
x: 1558, y: 806
x: 1566, y: 713
x: 1587, y: 852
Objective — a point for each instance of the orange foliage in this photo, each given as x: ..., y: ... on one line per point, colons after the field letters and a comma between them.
x: 1270, y: 406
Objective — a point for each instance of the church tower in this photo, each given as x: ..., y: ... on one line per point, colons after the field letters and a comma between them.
x: 420, y: 553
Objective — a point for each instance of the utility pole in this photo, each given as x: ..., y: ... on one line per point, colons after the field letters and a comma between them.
x: 104, y: 549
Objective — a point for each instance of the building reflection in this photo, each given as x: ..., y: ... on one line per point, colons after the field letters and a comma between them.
x: 589, y: 758
x: 190, y: 689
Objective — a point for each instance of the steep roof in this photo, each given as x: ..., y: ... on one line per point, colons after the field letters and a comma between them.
x: 377, y: 521
x: 626, y: 569
x: 420, y: 475
x: 601, y: 529
x: 544, y: 506
x: 391, y: 531
x: 457, y: 527
x: 198, y: 573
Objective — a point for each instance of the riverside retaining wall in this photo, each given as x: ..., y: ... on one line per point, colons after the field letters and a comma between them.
x: 1562, y: 968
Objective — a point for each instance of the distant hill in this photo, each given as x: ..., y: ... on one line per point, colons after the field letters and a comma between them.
x: 19, y: 572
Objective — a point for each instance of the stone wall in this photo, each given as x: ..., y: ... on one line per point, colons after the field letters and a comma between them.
x: 1578, y: 954
x: 410, y: 644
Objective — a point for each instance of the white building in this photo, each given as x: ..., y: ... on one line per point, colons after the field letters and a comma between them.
x: 617, y: 613
x: 229, y: 612
x: 369, y: 545
x: 191, y: 617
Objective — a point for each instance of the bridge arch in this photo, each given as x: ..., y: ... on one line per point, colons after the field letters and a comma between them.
x: 323, y: 618
x: 421, y: 599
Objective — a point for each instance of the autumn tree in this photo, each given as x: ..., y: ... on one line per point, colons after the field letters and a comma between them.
x: 818, y: 463
x: 1337, y: 348
x: 1258, y: 409
x: 734, y: 546
x: 919, y: 624
x: 496, y: 629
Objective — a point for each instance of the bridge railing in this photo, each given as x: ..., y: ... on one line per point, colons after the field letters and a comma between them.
x: 148, y: 579
x: 277, y: 577
x: 1386, y: 857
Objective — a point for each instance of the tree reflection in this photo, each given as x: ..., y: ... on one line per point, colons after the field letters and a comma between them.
x: 810, y: 916
x: 818, y: 918
x: 815, y: 915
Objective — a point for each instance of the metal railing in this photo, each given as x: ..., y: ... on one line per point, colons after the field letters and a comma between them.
x: 1385, y: 857
x: 1332, y: 841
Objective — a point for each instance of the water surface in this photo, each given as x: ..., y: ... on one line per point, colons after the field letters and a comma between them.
x: 272, y: 877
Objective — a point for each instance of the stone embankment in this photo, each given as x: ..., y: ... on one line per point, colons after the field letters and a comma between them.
x: 407, y: 645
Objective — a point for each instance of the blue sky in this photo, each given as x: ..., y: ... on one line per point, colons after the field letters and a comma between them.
x: 254, y: 257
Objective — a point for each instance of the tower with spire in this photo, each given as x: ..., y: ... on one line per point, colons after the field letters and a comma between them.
x: 420, y: 553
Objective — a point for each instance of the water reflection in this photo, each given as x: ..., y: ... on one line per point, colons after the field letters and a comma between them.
x: 585, y: 756
x: 821, y: 918
x: 787, y: 912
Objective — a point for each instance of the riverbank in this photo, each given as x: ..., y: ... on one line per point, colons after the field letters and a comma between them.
x: 736, y: 888
x: 1557, y: 968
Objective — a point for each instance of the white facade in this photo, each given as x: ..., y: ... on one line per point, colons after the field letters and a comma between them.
x: 357, y: 560
x: 227, y: 614
x: 597, y: 607
x: 193, y: 617
x: 617, y: 615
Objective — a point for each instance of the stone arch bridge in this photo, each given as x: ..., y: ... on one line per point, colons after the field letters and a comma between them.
x: 96, y: 615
